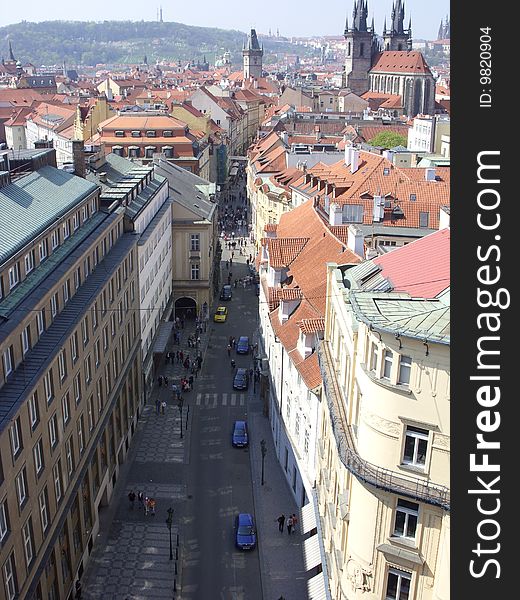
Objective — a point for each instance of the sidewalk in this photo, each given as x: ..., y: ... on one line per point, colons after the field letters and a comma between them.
x: 281, y: 555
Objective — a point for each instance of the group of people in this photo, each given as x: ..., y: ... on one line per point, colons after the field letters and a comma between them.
x: 146, y: 503
x: 292, y: 521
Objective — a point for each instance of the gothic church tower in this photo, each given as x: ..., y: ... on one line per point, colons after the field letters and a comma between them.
x: 252, y: 55
x: 397, y: 38
x: 359, y: 39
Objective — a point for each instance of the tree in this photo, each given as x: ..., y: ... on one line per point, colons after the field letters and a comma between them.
x: 388, y: 139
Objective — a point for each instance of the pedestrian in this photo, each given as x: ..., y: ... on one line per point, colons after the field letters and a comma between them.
x: 160, y: 380
x: 131, y: 498
x: 289, y: 525
x: 294, y: 521
x: 229, y: 349
x: 146, y: 505
x: 281, y: 521
x: 163, y: 406
x: 165, y: 381
x: 191, y: 381
x: 181, y: 357
x: 157, y: 406
x: 233, y: 341
x: 140, y: 499
x: 151, y: 504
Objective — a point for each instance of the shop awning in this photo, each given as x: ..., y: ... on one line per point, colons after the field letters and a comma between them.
x: 311, y: 552
x: 161, y: 339
x: 316, y: 587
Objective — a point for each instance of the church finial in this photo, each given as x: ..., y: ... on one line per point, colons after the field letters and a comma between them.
x: 11, y: 54
x: 346, y: 24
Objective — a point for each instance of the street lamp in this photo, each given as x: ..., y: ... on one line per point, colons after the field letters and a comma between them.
x: 263, y: 448
x: 169, y: 522
x: 181, y: 403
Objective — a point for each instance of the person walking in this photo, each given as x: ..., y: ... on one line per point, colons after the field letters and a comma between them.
x: 140, y: 499
x: 157, y: 406
x: 229, y: 349
x: 163, y: 407
x: 146, y: 505
x: 131, y: 498
x: 151, y: 504
x: 294, y: 521
x: 281, y: 522
x: 289, y: 525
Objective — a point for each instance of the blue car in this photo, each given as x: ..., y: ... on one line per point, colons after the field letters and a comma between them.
x: 243, y: 345
x: 245, y: 532
x: 240, y: 436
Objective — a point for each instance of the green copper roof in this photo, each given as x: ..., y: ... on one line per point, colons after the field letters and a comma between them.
x: 31, y: 204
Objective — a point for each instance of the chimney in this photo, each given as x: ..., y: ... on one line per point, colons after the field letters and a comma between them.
x: 335, y: 214
x: 285, y: 137
x: 348, y: 153
x: 379, y: 209
x: 78, y: 157
x: 429, y: 174
x: 354, y: 160
x: 355, y: 241
x: 102, y: 177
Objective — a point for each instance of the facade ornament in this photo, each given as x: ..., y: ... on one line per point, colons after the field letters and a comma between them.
x: 359, y: 576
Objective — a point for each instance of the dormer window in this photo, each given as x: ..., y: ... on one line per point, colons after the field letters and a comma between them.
x: 168, y: 133
x: 150, y: 133
x: 120, y: 134
x: 386, y: 171
x: 136, y: 134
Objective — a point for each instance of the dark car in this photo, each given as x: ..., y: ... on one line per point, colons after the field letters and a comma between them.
x: 245, y: 532
x: 226, y: 293
x: 243, y: 345
x: 240, y: 437
x: 241, y: 380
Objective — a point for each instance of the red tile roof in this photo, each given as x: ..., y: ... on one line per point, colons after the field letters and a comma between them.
x: 312, y: 325
x: 421, y: 268
x: 400, y: 62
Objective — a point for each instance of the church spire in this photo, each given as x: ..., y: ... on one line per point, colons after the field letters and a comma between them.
x: 11, y: 54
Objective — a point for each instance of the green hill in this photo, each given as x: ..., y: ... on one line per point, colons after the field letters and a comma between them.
x: 111, y: 42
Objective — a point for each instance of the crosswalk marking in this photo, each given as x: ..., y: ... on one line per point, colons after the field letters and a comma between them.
x: 212, y: 400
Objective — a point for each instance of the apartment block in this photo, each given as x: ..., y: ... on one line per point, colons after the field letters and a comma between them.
x: 70, y: 374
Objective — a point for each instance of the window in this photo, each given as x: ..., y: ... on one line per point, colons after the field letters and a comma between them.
x: 150, y: 133
x: 136, y: 134
x: 29, y: 262
x: 398, y: 585
x: 8, y: 360
x: 415, y: 446
x: 62, y: 365
x: 353, y: 213
x: 195, y: 242
x: 95, y: 315
x: 69, y: 452
x: 15, y: 435
x: 84, y: 330
x: 4, y: 520
x: 55, y: 239
x: 56, y: 476
x: 81, y: 440
x: 21, y: 487
x: 405, y: 367
x: 423, y: 219
x: 28, y: 544
x: 373, y: 357
x: 77, y: 278
x: 149, y: 150
x: 195, y: 271
x: 26, y: 340
x: 168, y: 133
x: 39, y: 463
x: 66, y: 230
x: 90, y: 410
x: 43, y: 250
x: 74, y: 346
x: 105, y: 338
x: 44, y: 512
x: 406, y: 515
x: 53, y: 430
x: 40, y: 318
x: 54, y: 304
x: 84, y: 212
x: 14, y: 276
x: 120, y: 134
x: 48, y: 386
x: 113, y: 324
x: 77, y: 389
x: 413, y: 197
x: 66, y: 292
x: 97, y: 353
x: 88, y: 371
x: 168, y: 151
x: 65, y: 408
x: 86, y: 267
x: 10, y: 583
x: 387, y: 368
x: 34, y: 411
x: 75, y: 221
x: 386, y: 171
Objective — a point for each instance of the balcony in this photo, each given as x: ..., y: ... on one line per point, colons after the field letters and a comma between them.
x: 381, y: 478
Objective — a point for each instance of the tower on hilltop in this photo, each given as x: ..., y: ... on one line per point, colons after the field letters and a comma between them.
x: 397, y: 38
x: 252, y: 54
x: 359, y: 39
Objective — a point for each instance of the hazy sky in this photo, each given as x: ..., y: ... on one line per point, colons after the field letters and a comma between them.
x: 291, y: 17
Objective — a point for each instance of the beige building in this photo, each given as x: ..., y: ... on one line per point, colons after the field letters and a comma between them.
x: 70, y: 375
x: 384, y: 444
x: 196, y: 259
x: 90, y: 115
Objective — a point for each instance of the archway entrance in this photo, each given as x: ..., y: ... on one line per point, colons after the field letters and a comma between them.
x: 185, y: 308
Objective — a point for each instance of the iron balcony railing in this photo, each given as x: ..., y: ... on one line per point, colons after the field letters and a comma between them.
x: 369, y: 473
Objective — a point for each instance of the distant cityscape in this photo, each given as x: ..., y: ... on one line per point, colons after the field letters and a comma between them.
x: 225, y: 301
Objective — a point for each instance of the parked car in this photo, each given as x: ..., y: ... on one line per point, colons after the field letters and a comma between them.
x: 225, y: 292
x: 245, y: 531
x: 240, y: 438
x: 220, y: 314
x: 241, y: 380
x: 243, y: 345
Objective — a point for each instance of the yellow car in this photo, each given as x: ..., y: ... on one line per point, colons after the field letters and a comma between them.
x: 220, y: 315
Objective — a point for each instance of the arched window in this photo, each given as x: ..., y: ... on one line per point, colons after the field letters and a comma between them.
x: 348, y: 49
